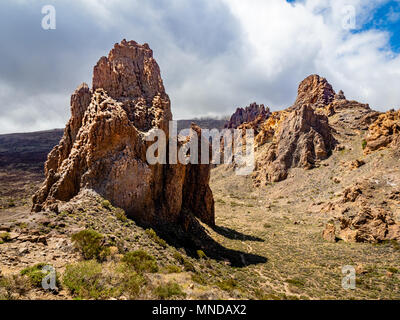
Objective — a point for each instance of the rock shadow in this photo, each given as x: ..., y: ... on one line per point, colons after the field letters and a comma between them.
x: 196, y: 237
x: 235, y: 235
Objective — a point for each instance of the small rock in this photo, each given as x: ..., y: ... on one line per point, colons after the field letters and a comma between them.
x: 329, y: 234
x: 23, y: 250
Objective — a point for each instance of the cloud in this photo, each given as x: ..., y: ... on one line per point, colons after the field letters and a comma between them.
x: 214, y: 55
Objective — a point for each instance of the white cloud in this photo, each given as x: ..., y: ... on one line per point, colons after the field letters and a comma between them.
x: 309, y: 37
x: 215, y: 55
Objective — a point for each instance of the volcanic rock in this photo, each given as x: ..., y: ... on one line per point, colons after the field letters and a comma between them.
x: 384, y: 132
x: 362, y: 218
x: 104, y: 146
x: 248, y: 114
x: 369, y: 225
x: 302, y: 139
x: 315, y: 90
x: 329, y: 233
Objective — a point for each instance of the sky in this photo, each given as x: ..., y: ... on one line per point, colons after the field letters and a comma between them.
x: 214, y: 55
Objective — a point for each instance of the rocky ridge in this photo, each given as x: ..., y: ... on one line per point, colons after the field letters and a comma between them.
x: 253, y: 112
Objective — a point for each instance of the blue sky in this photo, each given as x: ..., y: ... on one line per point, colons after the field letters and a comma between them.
x: 386, y: 18
x: 214, y: 55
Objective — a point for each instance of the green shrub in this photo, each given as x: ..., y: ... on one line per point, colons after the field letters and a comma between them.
x: 36, y: 275
x: 13, y: 285
x: 201, y: 254
x: 120, y: 214
x: 4, y: 237
x: 106, y: 204
x: 364, y: 144
x: 178, y: 257
x: 198, y: 278
x: 235, y: 204
x: 393, y: 270
x: 261, y: 295
x: 132, y: 284
x: 188, y: 266
x: 140, y: 261
x: 85, y: 280
x: 173, y: 269
x: 296, y: 282
x: 153, y: 235
x: 169, y: 290
x: 228, y: 285
x: 90, y: 244
x: 88, y: 280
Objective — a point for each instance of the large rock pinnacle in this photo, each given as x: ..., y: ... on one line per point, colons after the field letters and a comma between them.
x: 104, y: 146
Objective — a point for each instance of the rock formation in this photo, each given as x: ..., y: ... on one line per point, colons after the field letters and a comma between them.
x: 369, y: 225
x: 297, y: 137
x: 315, y: 90
x: 363, y: 218
x: 384, y: 132
x: 301, y: 140
x: 104, y: 146
x: 248, y: 114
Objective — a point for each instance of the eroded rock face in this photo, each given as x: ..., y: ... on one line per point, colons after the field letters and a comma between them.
x: 369, y: 225
x: 302, y: 139
x: 361, y: 217
x: 104, y: 146
x: 249, y: 114
x: 384, y: 132
x: 315, y: 90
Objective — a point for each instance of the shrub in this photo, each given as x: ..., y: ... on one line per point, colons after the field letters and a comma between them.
x: 178, y: 257
x: 364, y: 144
x: 14, y: 284
x: 84, y: 280
x: 140, y: 261
x: 88, y: 280
x: 36, y: 275
x: 106, y: 204
x: 188, y: 266
x: 153, y: 235
x: 393, y: 270
x: 235, y: 204
x: 4, y: 237
x: 90, y: 244
x: 261, y: 295
x: 198, y: 278
x: 120, y: 215
x: 132, y: 284
x: 201, y: 254
x: 296, y: 282
x: 173, y: 269
x: 228, y: 285
x: 169, y: 290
